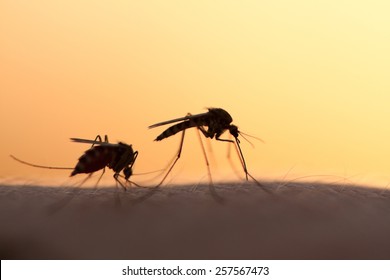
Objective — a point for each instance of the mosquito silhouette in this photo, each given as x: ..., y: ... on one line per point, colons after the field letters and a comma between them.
x: 118, y: 157
x: 217, y: 121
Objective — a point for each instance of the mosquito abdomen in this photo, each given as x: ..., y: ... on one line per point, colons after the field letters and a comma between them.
x: 93, y: 160
x: 177, y: 128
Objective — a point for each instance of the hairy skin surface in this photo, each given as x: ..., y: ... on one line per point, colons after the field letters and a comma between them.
x: 297, y: 221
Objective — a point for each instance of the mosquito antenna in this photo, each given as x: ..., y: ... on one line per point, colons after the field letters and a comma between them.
x: 40, y: 166
x: 247, y: 135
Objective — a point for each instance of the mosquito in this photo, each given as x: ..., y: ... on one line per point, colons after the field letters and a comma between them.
x: 118, y: 157
x: 217, y: 121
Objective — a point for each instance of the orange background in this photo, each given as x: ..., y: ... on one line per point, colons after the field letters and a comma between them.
x: 311, y: 78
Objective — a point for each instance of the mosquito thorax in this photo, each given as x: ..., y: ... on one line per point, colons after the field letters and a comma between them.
x: 221, y: 114
x: 124, y: 145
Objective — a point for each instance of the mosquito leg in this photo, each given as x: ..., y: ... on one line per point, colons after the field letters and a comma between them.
x: 131, y: 182
x: 86, y: 179
x: 242, y: 160
x: 213, y: 192
x: 177, y: 156
x: 240, y: 155
x: 97, y: 138
x: 97, y: 183
x: 224, y: 140
x: 176, y: 159
x: 100, y: 177
x: 151, y: 192
x: 120, y: 183
x: 211, y: 185
x: 233, y: 166
x: 54, y: 208
x: 205, y: 157
x: 204, y: 131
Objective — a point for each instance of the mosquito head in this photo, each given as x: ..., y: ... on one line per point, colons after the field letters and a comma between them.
x: 128, y: 172
x: 234, y: 131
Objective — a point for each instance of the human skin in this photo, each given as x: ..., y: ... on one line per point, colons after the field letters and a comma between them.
x: 294, y: 221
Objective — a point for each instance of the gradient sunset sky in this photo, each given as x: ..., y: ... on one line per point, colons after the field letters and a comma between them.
x: 311, y: 78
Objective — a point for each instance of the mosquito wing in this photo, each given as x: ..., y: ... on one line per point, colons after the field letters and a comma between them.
x: 178, y: 119
x: 95, y: 142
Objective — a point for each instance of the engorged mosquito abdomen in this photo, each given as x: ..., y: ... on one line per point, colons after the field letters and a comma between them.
x: 93, y: 160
